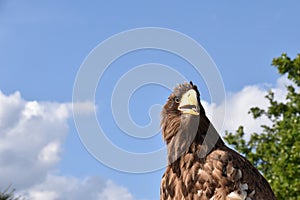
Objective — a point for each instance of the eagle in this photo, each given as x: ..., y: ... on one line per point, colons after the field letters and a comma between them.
x: 200, y: 165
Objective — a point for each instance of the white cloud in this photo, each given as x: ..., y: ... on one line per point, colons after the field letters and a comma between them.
x: 236, y: 110
x: 71, y: 188
x: 50, y: 153
x: 83, y: 108
x: 114, y: 192
x: 31, y: 138
x: 238, y: 105
x: 45, y: 195
x: 29, y: 131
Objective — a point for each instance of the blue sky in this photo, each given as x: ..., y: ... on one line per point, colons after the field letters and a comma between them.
x: 43, y: 44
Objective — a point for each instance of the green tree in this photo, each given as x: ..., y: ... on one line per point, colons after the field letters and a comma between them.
x: 8, y: 194
x: 276, y: 150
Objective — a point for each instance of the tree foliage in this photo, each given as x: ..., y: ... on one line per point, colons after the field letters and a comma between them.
x: 9, y: 194
x: 276, y: 150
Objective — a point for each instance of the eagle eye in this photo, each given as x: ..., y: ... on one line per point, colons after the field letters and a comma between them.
x: 176, y: 99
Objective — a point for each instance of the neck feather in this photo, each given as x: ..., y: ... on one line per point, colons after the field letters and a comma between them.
x: 189, y: 134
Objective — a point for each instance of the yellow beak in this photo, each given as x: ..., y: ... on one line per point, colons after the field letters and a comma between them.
x: 189, y: 103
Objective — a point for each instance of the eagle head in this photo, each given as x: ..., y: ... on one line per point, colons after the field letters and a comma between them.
x: 181, y: 119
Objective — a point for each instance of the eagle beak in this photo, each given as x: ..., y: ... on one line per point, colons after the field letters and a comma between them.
x: 189, y: 103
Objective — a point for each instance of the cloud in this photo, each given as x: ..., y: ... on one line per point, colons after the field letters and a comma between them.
x: 71, y: 188
x: 238, y: 104
x: 114, y: 192
x: 50, y: 153
x: 83, y: 108
x: 31, y: 135
x: 31, y: 138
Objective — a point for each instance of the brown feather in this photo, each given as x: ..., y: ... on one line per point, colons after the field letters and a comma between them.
x: 203, y: 167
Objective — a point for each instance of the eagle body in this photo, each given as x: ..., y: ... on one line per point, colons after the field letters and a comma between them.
x: 200, y: 165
